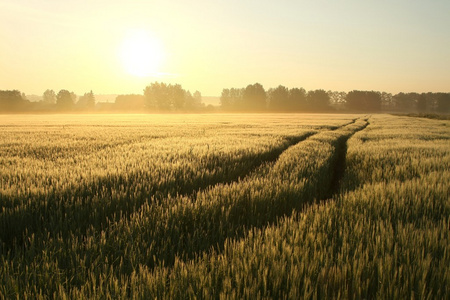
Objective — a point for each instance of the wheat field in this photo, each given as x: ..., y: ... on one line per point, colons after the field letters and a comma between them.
x: 224, y: 206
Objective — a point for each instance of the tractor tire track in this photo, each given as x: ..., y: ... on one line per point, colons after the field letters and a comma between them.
x: 340, y: 162
x: 95, y: 204
x: 181, y: 245
x: 200, y: 225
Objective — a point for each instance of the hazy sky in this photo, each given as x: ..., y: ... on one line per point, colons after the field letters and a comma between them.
x: 209, y: 45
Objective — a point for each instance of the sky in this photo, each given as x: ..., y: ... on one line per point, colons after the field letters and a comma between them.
x: 120, y: 47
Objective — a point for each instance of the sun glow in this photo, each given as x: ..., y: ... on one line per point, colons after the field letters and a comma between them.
x: 141, y: 54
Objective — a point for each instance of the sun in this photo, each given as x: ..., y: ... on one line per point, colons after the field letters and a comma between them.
x: 141, y: 54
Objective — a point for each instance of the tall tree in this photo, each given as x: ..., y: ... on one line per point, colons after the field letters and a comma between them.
x: 231, y: 99
x: 49, y: 97
x: 279, y: 99
x: 90, y: 100
x: 193, y: 102
x: 65, y: 100
x: 297, y: 99
x: 337, y: 99
x: 197, y: 97
x: 443, y: 103
x: 422, y: 103
x: 87, y: 101
x: 157, y: 96
x: 226, y: 102
x: 254, y: 97
x: 177, y: 96
x: 165, y: 97
x: 432, y: 101
x: 318, y: 100
x: 363, y: 101
x: 74, y: 97
x: 387, y: 101
x: 13, y: 101
x: 405, y: 102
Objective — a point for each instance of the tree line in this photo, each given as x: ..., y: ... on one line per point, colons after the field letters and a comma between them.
x: 157, y: 97
x: 15, y: 101
x: 282, y: 99
x: 162, y: 97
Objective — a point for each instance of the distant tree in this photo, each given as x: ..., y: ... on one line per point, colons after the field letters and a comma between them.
x: 318, y: 100
x: 189, y: 101
x: 90, y: 100
x: 157, y: 96
x: 363, y: 101
x: 405, y: 102
x: 197, y: 97
x: 49, y: 97
x: 65, y: 100
x: 400, y: 101
x: 337, y: 99
x: 131, y: 102
x: 231, y: 99
x: 87, y: 101
x: 297, y: 99
x: 209, y: 108
x: 373, y: 101
x: 177, y: 96
x: 226, y: 102
x: 13, y: 101
x: 334, y: 97
x: 443, y: 103
x: 193, y: 102
x: 432, y: 101
x: 279, y: 99
x: 74, y: 97
x: 387, y: 102
x: 422, y: 103
x: 165, y: 97
x: 254, y: 98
